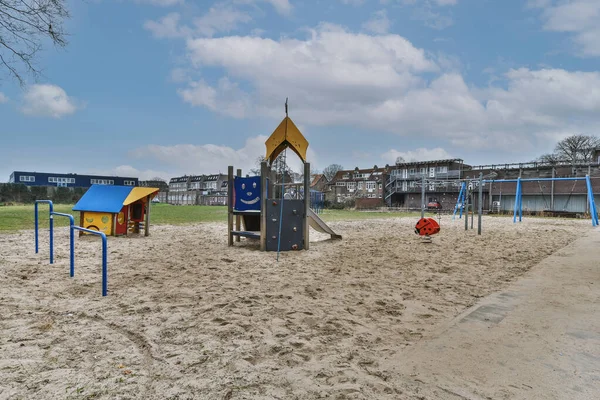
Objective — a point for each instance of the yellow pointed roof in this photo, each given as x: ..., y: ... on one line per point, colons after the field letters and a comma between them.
x: 285, y: 135
x: 139, y: 193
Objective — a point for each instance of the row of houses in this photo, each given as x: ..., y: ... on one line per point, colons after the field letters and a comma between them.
x: 401, y: 185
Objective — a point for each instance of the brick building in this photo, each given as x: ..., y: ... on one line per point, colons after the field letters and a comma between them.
x: 358, y: 184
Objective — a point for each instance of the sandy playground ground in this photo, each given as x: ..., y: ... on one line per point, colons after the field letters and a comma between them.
x: 189, y: 318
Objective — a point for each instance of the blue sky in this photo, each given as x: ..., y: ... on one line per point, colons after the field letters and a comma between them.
x: 168, y: 87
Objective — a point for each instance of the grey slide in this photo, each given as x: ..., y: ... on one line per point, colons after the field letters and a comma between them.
x: 319, y: 225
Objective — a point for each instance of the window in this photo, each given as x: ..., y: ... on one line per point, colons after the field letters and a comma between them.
x: 423, y: 171
x: 54, y: 179
x: 351, y: 185
x: 102, y: 181
x: 371, y: 185
x: 380, y: 186
x: 24, y: 178
x: 412, y: 171
x: 360, y: 185
x: 129, y: 183
x: 413, y: 184
x: 340, y: 184
x: 442, y: 170
x: 346, y: 176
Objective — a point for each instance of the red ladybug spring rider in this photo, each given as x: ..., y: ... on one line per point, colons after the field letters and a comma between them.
x: 426, y: 227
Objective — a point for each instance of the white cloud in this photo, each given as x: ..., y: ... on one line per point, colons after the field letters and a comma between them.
x: 203, y: 159
x: 179, y: 75
x: 420, y: 154
x: 181, y: 159
x: 225, y: 99
x: 353, y: 2
x: 168, y: 27
x: 3, y: 98
x: 47, y: 100
x: 283, y: 7
x: 161, y: 3
x: 427, y: 2
x: 383, y: 83
x: 220, y: 19
x: 378, y: 23
x: 432, y: 19
x: 578, y: 17
x: 145, y: 174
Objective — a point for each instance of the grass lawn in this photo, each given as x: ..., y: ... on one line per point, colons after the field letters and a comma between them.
x: 21, y: 217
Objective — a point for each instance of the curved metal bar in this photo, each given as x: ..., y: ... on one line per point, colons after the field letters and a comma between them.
x: 49, y: 202
x: 104, y: 258
x: 71, y: 240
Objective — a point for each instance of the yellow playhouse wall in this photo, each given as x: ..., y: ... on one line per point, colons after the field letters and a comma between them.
x: 102, y: 222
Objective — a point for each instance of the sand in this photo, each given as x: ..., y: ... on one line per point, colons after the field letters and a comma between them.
x: 189, y: 318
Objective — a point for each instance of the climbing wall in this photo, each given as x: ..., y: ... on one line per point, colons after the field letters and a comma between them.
x: 292, y: 229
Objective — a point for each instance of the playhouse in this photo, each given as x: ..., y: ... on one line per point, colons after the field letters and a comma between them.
x: 116, y: 210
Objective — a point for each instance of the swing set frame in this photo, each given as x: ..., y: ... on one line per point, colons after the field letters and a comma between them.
x: 466, y: 193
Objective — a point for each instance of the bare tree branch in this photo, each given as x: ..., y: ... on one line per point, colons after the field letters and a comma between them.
x: 331, y: 170
x: 24, y: 26
x: 577, y: 148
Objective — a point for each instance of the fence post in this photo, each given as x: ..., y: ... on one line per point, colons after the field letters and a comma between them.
x: 480, y: 203
x: 423, y: 197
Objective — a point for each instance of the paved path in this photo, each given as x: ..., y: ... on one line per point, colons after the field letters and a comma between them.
x: 539, y: 339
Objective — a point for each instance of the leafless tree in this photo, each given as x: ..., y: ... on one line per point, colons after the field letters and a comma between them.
x: 400, y: 160
x: 577, y: 148
x: 550, y: 159
x: 256, y: 170
x: 331, y: 170
x: 24, y: 25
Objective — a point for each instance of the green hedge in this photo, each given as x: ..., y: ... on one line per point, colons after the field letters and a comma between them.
x: 11, y: 193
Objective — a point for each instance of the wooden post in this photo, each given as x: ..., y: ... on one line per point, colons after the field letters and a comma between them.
x: 237, y: 217
x: 147, y: 224
x: 230, y: 205
x: 264, y: 174
x: 306, y: 204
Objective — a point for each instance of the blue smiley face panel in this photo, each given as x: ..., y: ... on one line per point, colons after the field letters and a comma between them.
x: 247, y: 194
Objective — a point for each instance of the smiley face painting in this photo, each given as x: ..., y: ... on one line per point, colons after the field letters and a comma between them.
x: 247, y: 193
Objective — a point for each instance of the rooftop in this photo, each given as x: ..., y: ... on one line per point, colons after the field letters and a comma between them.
x: 445, y: 161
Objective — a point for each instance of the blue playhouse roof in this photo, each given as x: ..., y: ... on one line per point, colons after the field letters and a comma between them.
x: 103, y: 198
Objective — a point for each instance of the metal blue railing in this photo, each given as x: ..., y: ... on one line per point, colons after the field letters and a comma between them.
x: 518, y: 208
x: 72, y: 229
x: 317, y: 201
x: 104, y: 257
x: 49, y: 202
x: 71, y: 241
